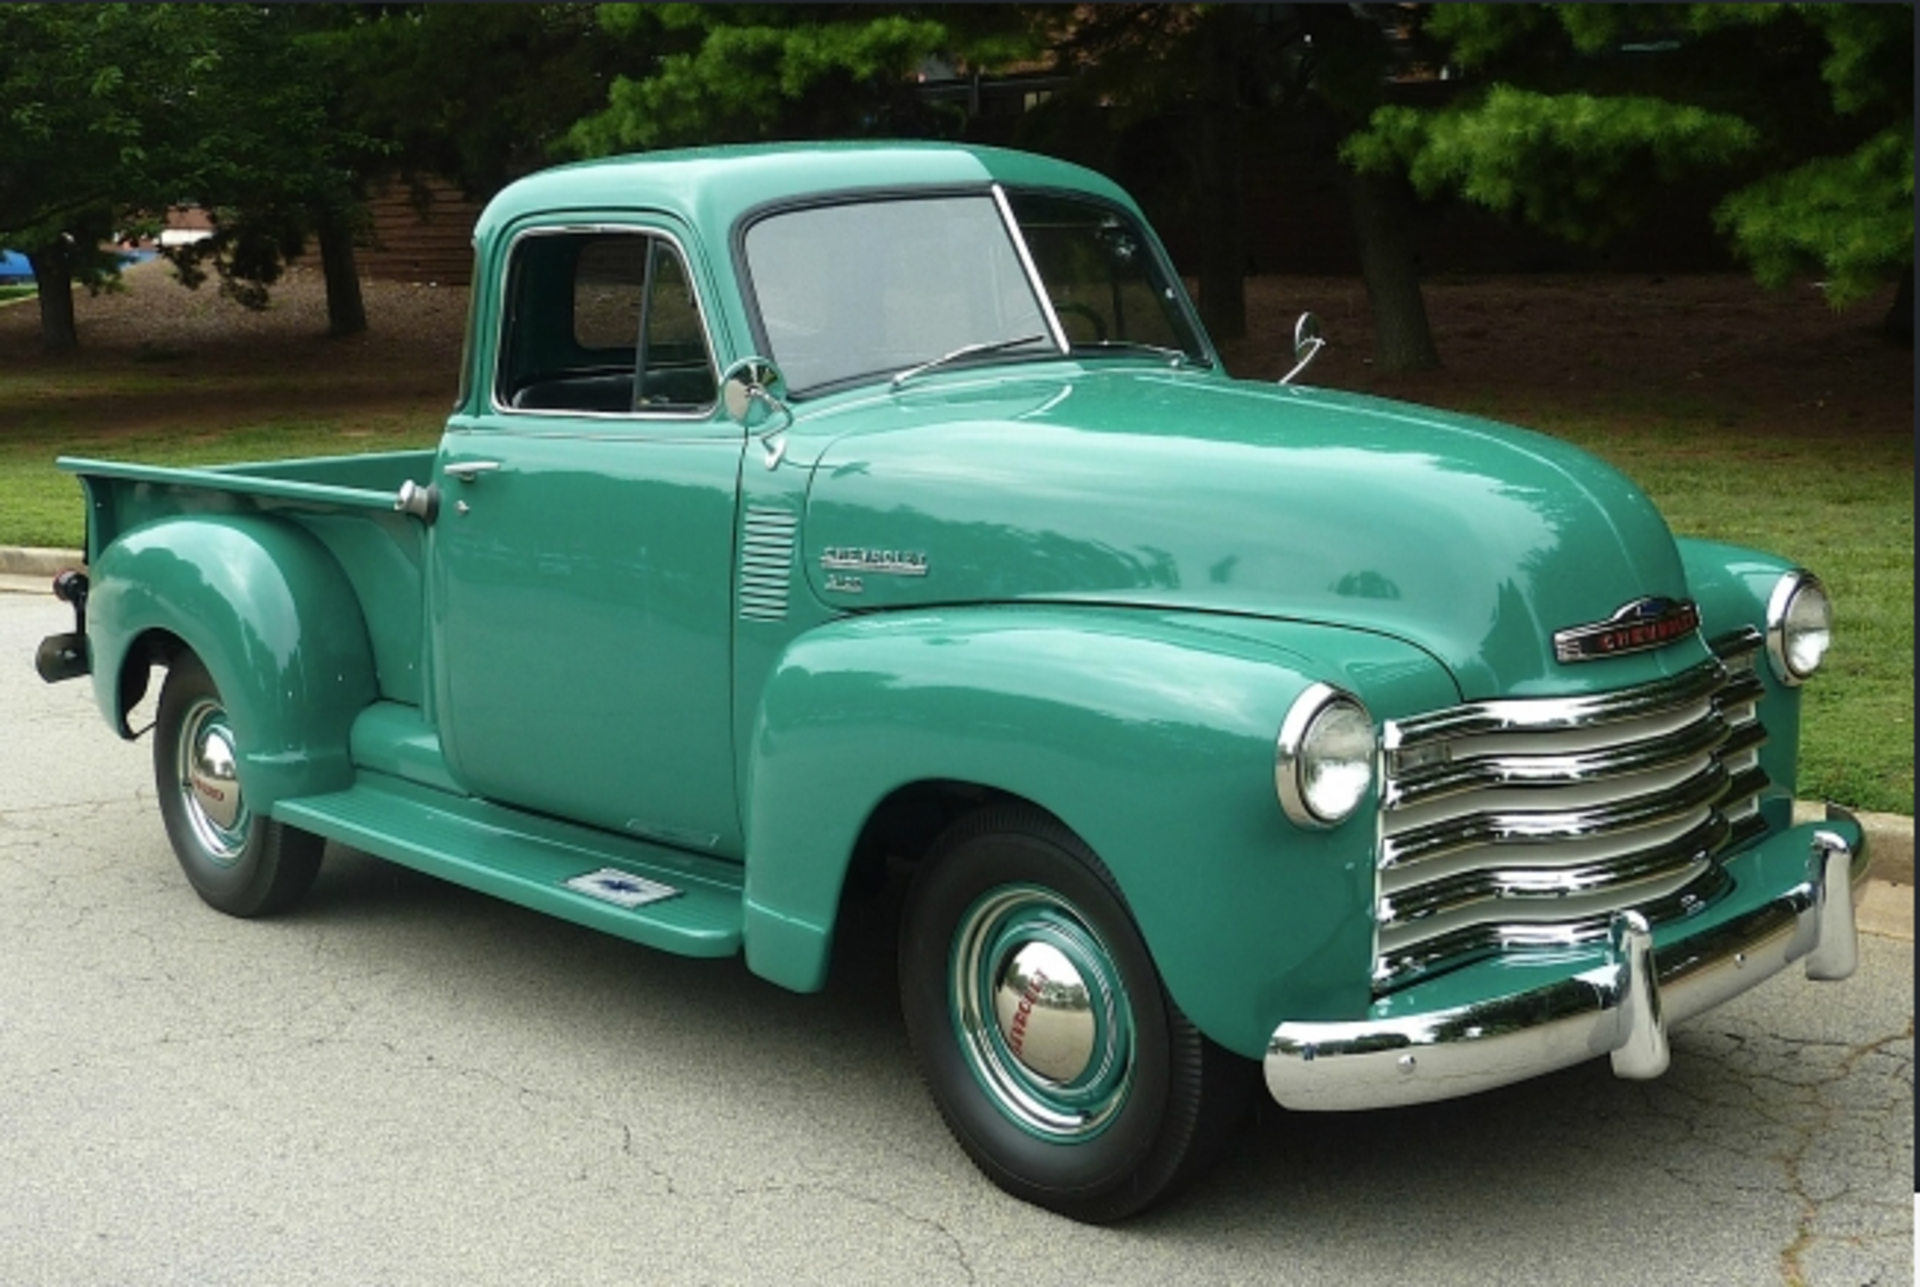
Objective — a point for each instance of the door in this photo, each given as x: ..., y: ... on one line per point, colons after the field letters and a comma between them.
x: 583, y: 555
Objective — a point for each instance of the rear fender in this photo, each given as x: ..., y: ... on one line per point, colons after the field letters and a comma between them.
x: 272, y: 617
x: 1151, y: 736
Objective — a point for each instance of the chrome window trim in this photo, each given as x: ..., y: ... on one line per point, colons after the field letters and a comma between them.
x: 700, y: 414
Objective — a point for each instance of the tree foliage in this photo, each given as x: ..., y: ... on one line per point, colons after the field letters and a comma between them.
x: 91, y: 131
x: 1583, y: 117
x: 734, y: 73
x: 273, y: 159
x: 1570, y: 163
x: 476, y: 94
x: 1198, y: 97
x: 1848, y: 217
x: 113, y: 114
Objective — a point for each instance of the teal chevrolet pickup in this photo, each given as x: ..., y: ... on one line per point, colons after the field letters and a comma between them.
x: 814, y: 516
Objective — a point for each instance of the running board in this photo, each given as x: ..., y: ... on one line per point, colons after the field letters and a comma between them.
x: 661, y: 897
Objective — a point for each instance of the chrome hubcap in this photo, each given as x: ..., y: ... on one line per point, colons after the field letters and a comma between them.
x: 1042, y: 1016
x: 1044, y: 1012
x: 210, y: 783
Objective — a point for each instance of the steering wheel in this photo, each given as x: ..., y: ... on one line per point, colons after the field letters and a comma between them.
x: 1086, y: 315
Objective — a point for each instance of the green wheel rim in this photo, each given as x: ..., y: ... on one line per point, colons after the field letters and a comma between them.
x: 1041, y: 1014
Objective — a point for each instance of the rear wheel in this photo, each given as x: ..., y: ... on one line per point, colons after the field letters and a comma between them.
x: 238, y: 861
x: 1042, y: 1029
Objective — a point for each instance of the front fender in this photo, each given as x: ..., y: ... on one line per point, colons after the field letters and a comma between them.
x: 1150, y: 735
x: 1732, y: 584
x: 270, y: 614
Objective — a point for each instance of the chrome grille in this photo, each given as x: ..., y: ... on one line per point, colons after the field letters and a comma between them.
x: 766, y: 563
x: 1526, y: 823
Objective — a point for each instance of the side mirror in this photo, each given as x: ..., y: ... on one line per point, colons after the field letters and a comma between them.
x: 752, y: 391
x: 1307, y: 343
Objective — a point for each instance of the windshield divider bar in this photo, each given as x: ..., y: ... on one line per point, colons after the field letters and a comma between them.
x: 1039, y: 287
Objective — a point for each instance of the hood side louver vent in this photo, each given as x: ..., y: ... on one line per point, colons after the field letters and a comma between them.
x: 766, y: 563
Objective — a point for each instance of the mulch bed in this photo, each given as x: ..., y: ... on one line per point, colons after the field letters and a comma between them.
x: 1765, y: 362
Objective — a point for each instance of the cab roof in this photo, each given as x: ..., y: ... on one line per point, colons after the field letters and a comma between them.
x: 711, y: 187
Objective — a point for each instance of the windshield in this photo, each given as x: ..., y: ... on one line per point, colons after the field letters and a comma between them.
x: 874, y: 288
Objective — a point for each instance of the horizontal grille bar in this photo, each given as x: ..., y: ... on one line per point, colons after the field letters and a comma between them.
x: 1482, y: 940
x: 1699, y: 790
x: 1686, y: 743
x: 1463, y: 891
x: 1536, y: 713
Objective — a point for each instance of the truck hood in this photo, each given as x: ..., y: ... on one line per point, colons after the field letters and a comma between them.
x: 1470, y: 540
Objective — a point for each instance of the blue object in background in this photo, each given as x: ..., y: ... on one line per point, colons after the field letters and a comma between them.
x: 15, y: 268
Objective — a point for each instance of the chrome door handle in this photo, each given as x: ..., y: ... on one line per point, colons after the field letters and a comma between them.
x: 468, y: 471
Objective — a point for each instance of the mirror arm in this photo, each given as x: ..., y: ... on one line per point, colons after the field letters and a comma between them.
x: 774, y: 450
x: 1307, y: 343
x: 1306, y: 357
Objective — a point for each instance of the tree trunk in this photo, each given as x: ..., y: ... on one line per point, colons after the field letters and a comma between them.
x: 1223, y: 286
x: 346, y: 309
x: 1899, y: 319
x: 1383, y: 221
x: 53, y: 279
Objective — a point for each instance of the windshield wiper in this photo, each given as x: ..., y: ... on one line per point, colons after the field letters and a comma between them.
x: 965, y: 350
x: 1179, y: 357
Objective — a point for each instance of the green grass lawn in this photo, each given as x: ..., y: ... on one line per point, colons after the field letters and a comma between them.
x: 1842, y: 508
x: 40, y: 505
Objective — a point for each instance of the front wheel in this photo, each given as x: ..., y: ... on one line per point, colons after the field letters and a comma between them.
x: 1042, y: 1029
x: 238, y: 861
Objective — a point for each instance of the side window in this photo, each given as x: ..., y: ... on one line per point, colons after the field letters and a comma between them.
x: 609, y: 283
x: 674, y: 369
x: 602, y: 322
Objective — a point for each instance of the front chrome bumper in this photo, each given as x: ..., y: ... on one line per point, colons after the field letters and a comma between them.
x: 1619, y: 1008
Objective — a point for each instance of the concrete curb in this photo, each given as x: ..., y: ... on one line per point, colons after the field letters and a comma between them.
x: 1889, y: 840
x: 1889, y: 835
x: 27, y: 561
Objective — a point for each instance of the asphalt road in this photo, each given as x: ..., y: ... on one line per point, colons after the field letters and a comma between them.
x: 406, y: 1083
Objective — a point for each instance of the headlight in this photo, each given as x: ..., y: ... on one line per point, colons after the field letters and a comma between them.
x: 1799, y: 626
x: 1324, y: 766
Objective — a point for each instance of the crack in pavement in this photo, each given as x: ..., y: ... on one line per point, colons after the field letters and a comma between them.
x: 1812, y: 1205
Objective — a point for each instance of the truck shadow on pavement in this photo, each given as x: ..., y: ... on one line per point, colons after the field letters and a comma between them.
x: 1782, y: 1123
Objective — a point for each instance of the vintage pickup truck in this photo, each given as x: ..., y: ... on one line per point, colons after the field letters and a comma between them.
x: 810, y: 514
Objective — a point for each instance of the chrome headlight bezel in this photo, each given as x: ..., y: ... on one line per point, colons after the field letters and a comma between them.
x: 1799, y: 618
x: 1325, y: 729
